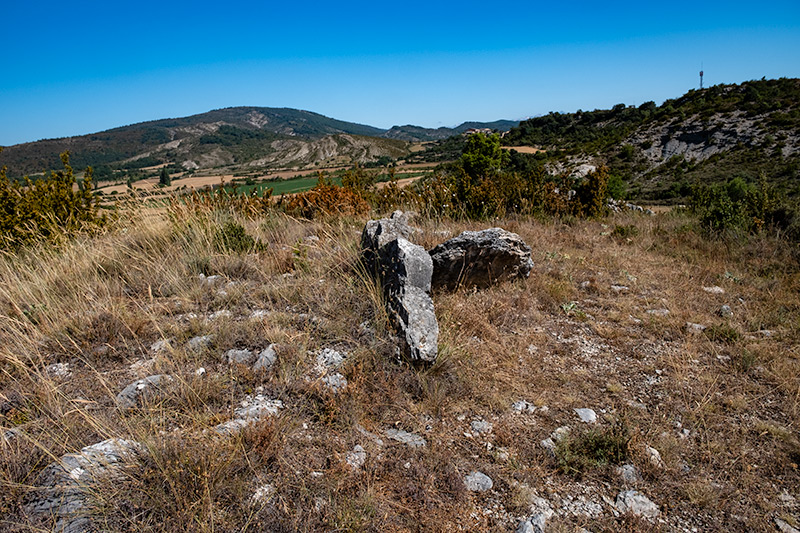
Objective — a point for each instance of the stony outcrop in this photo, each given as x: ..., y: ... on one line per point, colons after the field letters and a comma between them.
x: 64, y: 488
x: 480, y: 259
x: 404, y: 270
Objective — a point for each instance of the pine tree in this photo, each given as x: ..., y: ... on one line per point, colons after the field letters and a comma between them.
x: 164, y: 179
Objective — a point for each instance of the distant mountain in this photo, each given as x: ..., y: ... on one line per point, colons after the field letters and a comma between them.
x: 419, y: 134
x: 228, y: 136
x: 230, y: 139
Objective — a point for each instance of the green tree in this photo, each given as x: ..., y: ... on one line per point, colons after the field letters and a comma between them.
x: 482, y: 155
x: 164, y: 179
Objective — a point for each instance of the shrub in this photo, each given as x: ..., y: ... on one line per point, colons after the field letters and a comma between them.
x: 48, y: 208
x: 326, y: 199
x: 592, y: 448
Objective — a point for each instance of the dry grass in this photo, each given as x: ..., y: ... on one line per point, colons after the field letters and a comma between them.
x: 551, y: 340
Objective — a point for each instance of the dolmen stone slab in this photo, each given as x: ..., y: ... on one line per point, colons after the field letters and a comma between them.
x: 480, y: 259
x: 64, y: 489
x: 404, y: 271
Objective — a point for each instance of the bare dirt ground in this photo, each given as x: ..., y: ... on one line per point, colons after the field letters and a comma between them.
x: 523, y: 149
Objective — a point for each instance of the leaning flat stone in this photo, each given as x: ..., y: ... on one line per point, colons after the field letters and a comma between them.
x: 478, y: 482
x: 133, y: 393
x: 636, y: 503
x: 480, y: 259
x: 65, y: 488
x: 412, y: 440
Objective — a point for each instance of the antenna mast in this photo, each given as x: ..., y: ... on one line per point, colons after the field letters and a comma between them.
x: 701, y: 76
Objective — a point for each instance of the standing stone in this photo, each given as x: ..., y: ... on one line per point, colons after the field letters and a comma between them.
x: 379, y: 232
x: 480, y: 259
x: 404, y: 271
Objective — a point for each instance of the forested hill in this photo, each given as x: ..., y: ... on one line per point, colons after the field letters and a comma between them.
x: 746, y: 130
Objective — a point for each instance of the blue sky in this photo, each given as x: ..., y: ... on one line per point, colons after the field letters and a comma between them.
x: 76, y: 69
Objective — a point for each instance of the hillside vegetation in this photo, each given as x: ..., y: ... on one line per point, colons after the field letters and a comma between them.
x: 705, y: 136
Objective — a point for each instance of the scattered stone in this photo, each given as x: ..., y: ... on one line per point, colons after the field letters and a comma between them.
x: 200, y: 372
x: 714, y: 290
x: 263, y: 494
x: 9, y: 435
x: 582, y: 506
x: 335, y: 382
x: 242, y: 357
x: 586, y: 415
x: 199, y: 343
x: 481, y: 426
x: 357, y: 457
x: 636, y: 503
x: 549, y: 444
x: 766, y: 332
x: 629, y: 473
x: 523, y: 406
x: 532, y: 524
x: 560, y: 433
x: 412, y: 440
x: 480, y: 259
x: 161, y: 345
x: 265, y: 359
x: 478, y: 482
x: 329, y: 359
x: 692, y: 327
x: 785, y: 527
x: 251, y: 410
x: 223, y: 313
x: 258, y: 314
x: 725, y: 311
x: 64, y: 489
x: 59, y: 370
x: 210, y: 280
x: 654, y: 457
x: 139, y: 389
x: 620, y: 288
x: 372, y: 436
x: 658, y: 312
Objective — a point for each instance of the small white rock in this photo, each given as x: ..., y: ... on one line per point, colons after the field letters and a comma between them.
x: 478, y: 482
x: 587, y: 415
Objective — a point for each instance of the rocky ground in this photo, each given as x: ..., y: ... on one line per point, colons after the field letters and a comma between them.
x: 641, y: 378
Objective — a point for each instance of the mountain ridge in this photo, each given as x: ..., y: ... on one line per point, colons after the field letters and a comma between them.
x: 226, y: 136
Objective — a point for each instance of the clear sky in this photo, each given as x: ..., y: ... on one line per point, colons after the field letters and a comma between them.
x: 70, y: 68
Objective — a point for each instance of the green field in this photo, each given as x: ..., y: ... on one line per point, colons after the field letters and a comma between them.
x: 304, y: 183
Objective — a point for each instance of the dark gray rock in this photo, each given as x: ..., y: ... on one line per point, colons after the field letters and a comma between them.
x: 65, y: 489
x: 480, y: 259
x: 136, y: 391
x: 377, y: 233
